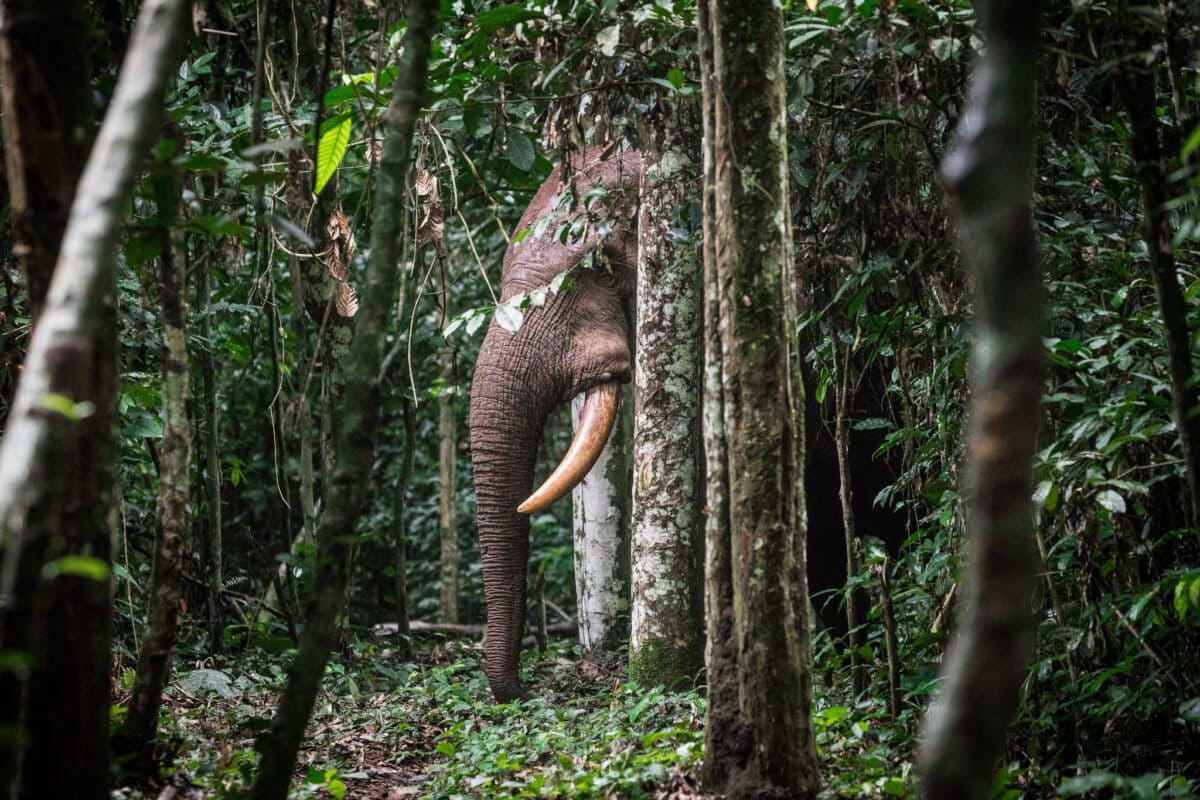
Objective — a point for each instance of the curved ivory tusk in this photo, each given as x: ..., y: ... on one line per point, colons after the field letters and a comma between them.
x: 595, y: 424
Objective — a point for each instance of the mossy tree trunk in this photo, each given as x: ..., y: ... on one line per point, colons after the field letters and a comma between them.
x: 447, y: 470
x: 760, y: 670
x: 601, y: 530
x: 1135, y: 82
x: 137, y: 735
x: 666, y: 641
x: 988, y: 174
x: 359, y: 419
x: 58, y: 452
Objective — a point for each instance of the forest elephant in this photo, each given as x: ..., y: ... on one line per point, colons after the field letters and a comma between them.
x: 578, y: 341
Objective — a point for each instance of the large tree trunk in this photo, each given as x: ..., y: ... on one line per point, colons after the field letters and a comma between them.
x: 347, y: 486
x: 666, y: 641
x: 57, y: 455
x: 988, y: 175
x: 166, y: 578
x: 600, y: 506
x: 46, y: 101
x: 47, y: 126
x: 761, y: 703
x: 1135, y: 80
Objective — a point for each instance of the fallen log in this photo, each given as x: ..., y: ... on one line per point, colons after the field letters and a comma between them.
x: 418, y: 627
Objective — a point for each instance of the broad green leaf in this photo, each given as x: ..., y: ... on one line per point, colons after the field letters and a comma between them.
x: 502, y: 16
x: 1112, y: 501
x: 520, y: 151
x: 79, y: 567
x: 509, y: 315
x: 335, y: 138
x: 61, y: 404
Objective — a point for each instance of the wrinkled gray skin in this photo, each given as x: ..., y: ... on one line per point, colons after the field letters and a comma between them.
x: 579, y: 339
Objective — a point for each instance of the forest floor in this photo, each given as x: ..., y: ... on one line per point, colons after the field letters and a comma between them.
x: 386, y: 728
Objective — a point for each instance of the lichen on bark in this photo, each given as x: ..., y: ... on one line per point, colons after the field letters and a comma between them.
x: 666, y: 627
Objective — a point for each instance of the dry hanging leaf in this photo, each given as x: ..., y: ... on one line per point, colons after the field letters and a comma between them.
x: 346, y: 301
x: 341, y: 246
x: 375, y: 152
x: 425, y: 183
x: 432, y: 228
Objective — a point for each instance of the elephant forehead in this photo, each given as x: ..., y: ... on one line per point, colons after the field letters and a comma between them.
x: 543, y: 248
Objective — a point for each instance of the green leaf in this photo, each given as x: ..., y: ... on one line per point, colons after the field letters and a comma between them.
x: 509, y: 314
x: 79, y: 567
x: 503, y: 16
x: 1193, y: 141
x: 676, y: 77
x: 1112, y: 501
x: 61, y: 404
x: 520, y: 151
x: 335, y: 138
x: 340, y: 94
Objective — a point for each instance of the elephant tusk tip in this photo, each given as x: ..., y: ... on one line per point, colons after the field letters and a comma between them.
x: 595, y: 423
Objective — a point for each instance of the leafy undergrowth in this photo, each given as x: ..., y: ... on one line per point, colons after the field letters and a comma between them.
x: 389, y: 729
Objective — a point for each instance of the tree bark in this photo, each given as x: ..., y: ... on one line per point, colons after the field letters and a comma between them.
x: 359, y: 421
x: 47, y: 127
x: 137, y: 735
x: 988, y: 175
x: 447, y: 472
x: 765, y: 696
x: 1135, y: 81
x: 600, y: 514
x: 400, y: 523
x: 666, y: 641
x: 841, y: 435
x: 213, y: 541
x: 56, y: 458
x: 48, y: 114
x: 722, y: 751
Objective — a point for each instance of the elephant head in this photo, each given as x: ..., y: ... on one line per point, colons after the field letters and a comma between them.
x: 578, y: 341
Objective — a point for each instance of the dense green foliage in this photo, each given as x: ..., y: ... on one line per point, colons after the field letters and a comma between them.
x: 1111, y: 703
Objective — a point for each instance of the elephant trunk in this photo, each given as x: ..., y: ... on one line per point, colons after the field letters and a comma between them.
x: 507, y: 418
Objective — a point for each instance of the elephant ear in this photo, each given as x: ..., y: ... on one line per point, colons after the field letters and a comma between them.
x: 595, y: 425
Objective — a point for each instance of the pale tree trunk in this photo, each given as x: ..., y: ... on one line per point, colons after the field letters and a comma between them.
x: 988, y: 176
x: 601, y: 524
x: 761, y: 703
x: 137, y: 735
x: 447, y: 473
x: 666, y: 639
x: 57, y: 455
x: 721, y: 751
x: 359, y: 416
